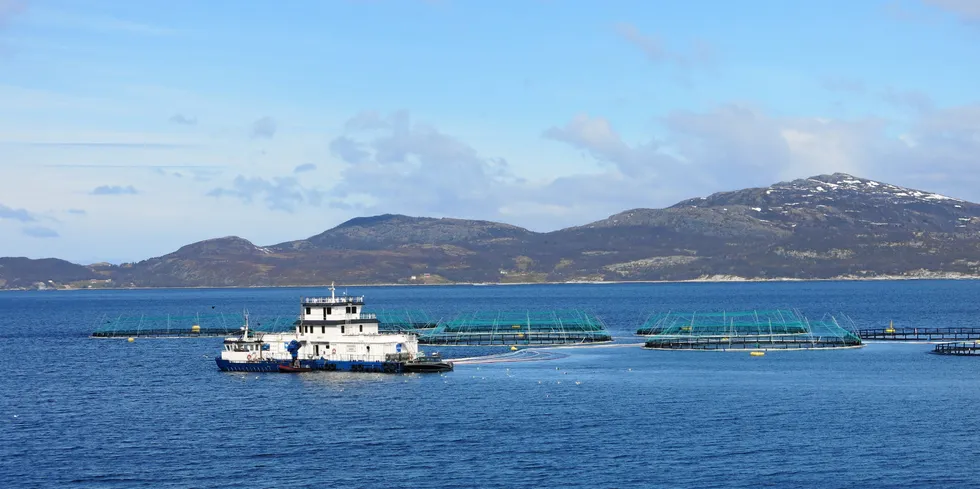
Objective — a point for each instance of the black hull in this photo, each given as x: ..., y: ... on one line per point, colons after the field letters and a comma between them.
x: 426, y: 368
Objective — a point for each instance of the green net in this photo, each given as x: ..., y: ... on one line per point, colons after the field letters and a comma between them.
x: 519, y: 328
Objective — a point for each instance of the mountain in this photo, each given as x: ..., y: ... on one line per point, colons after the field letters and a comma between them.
x: 20, y: 272
x: 826, y: 226
x: 391, y: 230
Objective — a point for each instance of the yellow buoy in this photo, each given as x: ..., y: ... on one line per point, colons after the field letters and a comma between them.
x: 757, y: 353
x: 131, y: 339
x: 195, y: 329
x: 891, y: 327
x: 513, y: 348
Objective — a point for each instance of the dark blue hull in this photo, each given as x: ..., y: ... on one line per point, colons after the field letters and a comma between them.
x: 317, y: 364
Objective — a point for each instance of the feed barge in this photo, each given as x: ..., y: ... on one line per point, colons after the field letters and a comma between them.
x: 332, y: 334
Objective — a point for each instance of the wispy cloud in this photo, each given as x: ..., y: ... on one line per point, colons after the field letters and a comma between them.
x: 264, y: 128
x: 10, y: 8
x: 966, y: 10
x: 915, y: 100
x: 164, y: 167
x: 77, y: 212
x: 40, y: 232
x: 114, y: 190
x: 304, y: 168
x: 700, y: 54
x: 103, y: 145
x: 845, y: 85
x: 15, y: 214
x: 98, y: 23
x: 183, y: 120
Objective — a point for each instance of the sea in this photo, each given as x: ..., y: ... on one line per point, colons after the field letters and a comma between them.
x: 87, y: 412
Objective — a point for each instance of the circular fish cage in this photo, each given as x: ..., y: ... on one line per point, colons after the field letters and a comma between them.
x: 518, y: 328
x: 745, y: 330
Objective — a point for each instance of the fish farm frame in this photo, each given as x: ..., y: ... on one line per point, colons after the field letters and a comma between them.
x: 186, y: 326
x: 920, y: 334
x: 959, y: 348
x: 747, y: 330
x: 538, y: 328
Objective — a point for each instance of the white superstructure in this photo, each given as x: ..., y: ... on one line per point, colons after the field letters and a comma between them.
x: 331, y: 328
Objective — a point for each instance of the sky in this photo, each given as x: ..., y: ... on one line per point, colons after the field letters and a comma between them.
x: 129, y: 129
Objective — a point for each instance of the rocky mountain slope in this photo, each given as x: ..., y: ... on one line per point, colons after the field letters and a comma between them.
x: 827, y: 226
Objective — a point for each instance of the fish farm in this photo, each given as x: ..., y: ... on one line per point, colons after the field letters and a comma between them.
x: 539, y: 328
x: 740, y: 331
x: 723, y: 323
x: 406, y: 320
x: 190, y: 326
x: 960, y: 348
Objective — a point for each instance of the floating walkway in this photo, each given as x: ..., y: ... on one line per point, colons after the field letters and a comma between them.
x: 170, y: 326
x: 920, y: 334
x: 518, y: 328
x: 962, y: 348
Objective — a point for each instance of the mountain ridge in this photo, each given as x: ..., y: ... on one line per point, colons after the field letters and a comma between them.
x: 825, y: 226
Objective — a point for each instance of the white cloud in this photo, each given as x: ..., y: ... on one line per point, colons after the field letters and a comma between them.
x: 736, y: 146
x: 415, y: 168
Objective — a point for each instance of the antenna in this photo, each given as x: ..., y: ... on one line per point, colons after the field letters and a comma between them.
x: 332, y: 291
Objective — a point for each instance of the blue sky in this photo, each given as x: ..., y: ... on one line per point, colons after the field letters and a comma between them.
x: 128, y: 129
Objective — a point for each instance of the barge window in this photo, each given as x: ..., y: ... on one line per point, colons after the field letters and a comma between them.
x: 360, y: 328
x: 329, y: 309
x: 353, y: 310
x: 324, y: 313
x: 347, y: 309
x: 323, y: 329
x: 341, y: 330
x: 307, y: 311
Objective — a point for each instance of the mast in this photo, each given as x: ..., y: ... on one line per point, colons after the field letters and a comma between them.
x: 245, y: 328
x: 332, y: 296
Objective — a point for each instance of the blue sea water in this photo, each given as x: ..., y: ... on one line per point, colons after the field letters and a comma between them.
x: 82, y: 412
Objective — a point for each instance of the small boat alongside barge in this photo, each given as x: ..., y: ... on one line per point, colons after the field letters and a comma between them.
x: 332, y: 334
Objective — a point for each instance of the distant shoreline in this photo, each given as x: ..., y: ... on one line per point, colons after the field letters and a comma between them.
x: 713, y: 279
